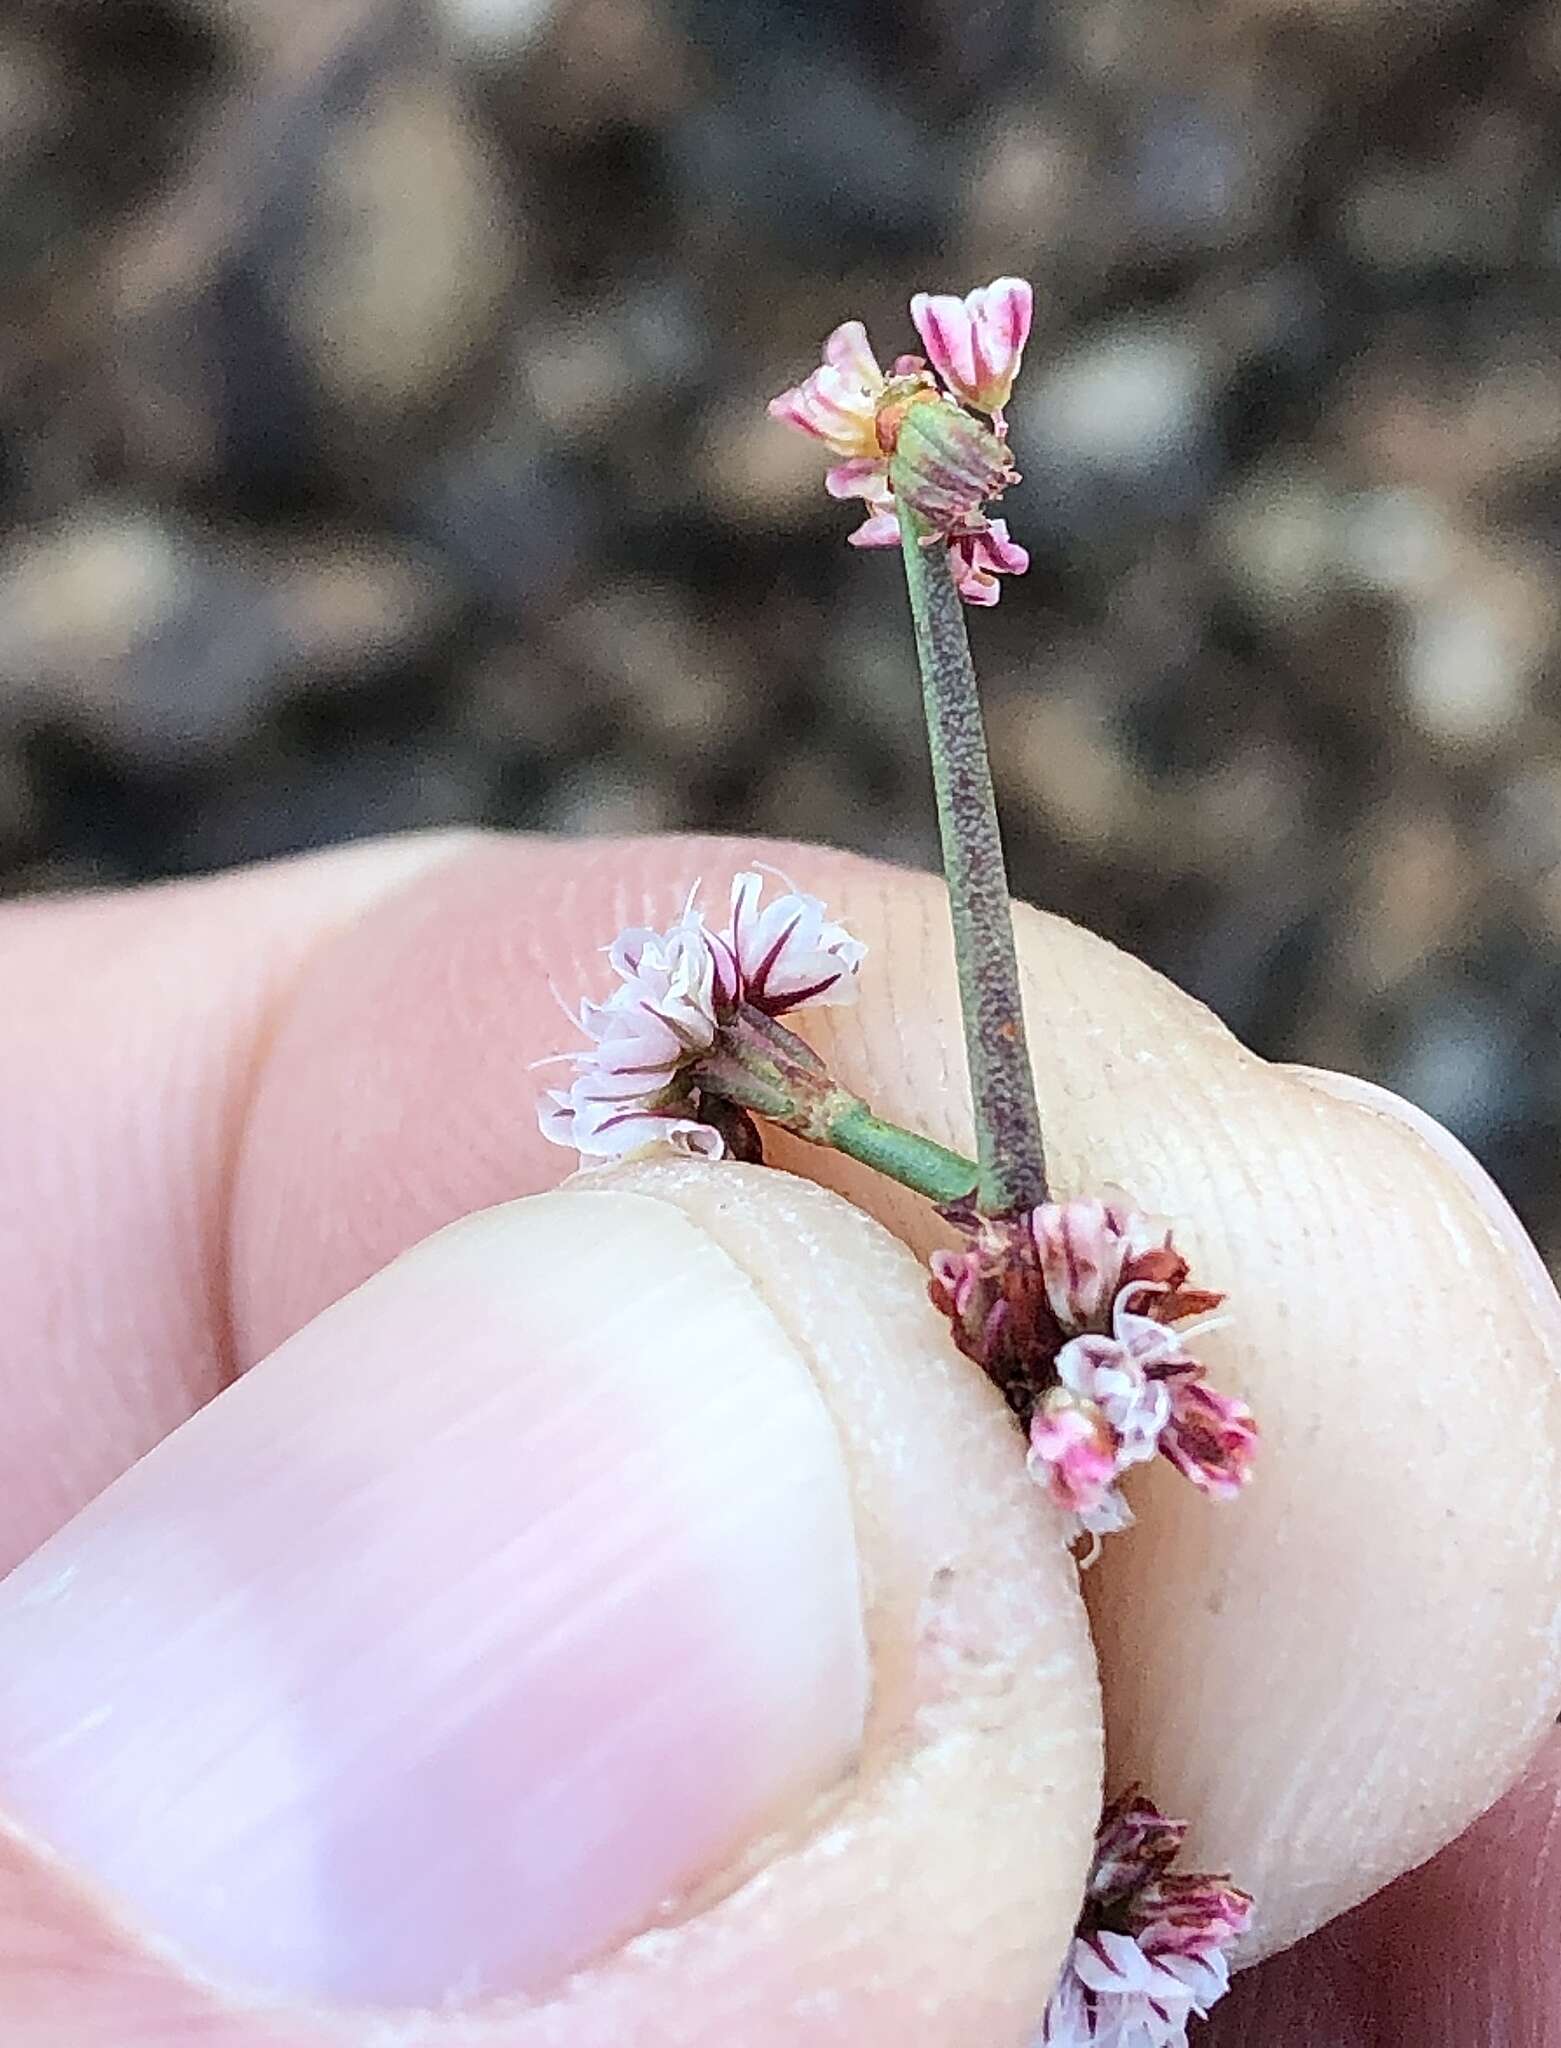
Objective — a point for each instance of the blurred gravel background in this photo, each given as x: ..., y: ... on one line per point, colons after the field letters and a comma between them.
x: 382, y: 444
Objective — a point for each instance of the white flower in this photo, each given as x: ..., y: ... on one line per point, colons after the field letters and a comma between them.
x: 666, y: 1007
x: 1113, y: 1995
x: 1106, y: 1370
x: 790, y: 954
x: 599, y: 1127
x: 1148, y: 1953
x: 663, y: 1014
x: 634, y: 1087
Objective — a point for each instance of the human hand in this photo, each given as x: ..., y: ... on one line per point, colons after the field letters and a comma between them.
x: 525, y: 1589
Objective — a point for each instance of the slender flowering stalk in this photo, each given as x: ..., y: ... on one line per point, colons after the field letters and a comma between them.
x: 1009, y: 1149
x: 1149, y: 1953
x: 1079, y: 1312
x: 927, y: 470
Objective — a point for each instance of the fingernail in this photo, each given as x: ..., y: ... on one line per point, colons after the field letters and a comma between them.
x: 506, y: 1603
x: 1488, y: 1197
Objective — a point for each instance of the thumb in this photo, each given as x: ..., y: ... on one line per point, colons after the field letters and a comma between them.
x: 636, y: 1557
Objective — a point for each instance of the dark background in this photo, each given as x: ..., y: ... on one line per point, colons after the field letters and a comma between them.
x: 382, y: 444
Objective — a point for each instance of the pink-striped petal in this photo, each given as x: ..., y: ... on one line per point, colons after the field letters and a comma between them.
x: 976, y: 344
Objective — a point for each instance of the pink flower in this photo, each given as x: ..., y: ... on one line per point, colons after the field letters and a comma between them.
x: 1074, y: 1455
x: 1149, y: 1952
x: 838, y: 403
x: 1113, y: 1373
x: 1081, y: 1314
x: 791, y: 954
x: 903, y: 440
x: 867, y: 479
x: 1189, y: 1916
x: 976, y: 343
x: 956, y: 1276
x: 1210, y: 1438
x: 978, y: 559
x: 880, y: 529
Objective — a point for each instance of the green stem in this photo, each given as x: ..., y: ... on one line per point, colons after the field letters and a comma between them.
x: 1010, y: 1156
x: 915, y: 1162
x: 758, y: 1065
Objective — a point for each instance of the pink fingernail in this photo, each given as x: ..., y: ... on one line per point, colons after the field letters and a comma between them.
x: 511, y: 1599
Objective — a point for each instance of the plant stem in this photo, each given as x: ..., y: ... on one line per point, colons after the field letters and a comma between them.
x: 759, y: 1066
x: 932, y: 1170
x: 1010, y: 1156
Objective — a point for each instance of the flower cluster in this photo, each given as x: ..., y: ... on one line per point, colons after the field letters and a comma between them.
x: 1081, y: 1313
x: 637, y: 1084
x: 1149, y: 1952
x: 902, y: 436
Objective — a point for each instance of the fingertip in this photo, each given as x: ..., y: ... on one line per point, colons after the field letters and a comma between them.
x: 1460, y: 1951
x: 1475, y: 1183
x: 544, y: 1556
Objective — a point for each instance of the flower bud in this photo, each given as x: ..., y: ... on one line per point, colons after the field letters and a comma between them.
x: 946, y: 466
x: 977, y: 343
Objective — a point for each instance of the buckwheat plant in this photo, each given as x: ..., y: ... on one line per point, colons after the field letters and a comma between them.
x: 1081, y: 1310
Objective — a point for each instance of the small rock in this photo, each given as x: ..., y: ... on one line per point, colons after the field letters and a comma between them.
x: 1397, y: 542
x: 1464, y: 673
x: 354, y: 606
x: 494, y: 28
x: 1417, y: 888
x: 1279, y: 536
x: 410, y: 253
x: 1126, y: 415
x: 611, y: 797
x: 1478, y: 637
x: 167, y: 646
x: 678, y: 680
